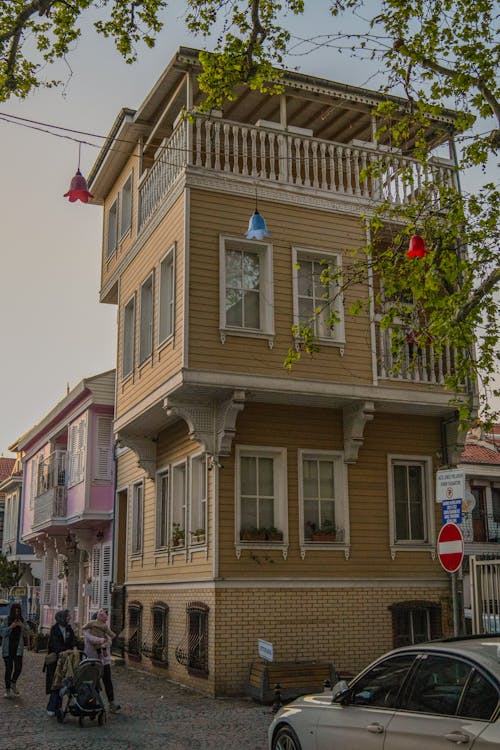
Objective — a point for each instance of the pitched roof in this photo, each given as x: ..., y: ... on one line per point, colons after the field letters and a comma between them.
x: 6, y: 467
x: 480, y: 454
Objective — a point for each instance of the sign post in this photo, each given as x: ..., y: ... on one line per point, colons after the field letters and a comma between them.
x: 450, y: 550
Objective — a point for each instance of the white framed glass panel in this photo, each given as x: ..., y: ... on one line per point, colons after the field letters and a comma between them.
x: 162, y: 503
x: 198, y: 499
x: 166, y: 297
x: 137, y: 518
x: 146, y: 321
x: 112, y: 234
x: 126, y: 207
x: 128, y: 347
x: 318, y: 302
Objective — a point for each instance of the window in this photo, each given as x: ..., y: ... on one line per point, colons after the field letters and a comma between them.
x: 159, y: 617
x: 126, y: 207
x: 437, y: 686
x: 128, y: 338
x: 495, y: 503
x: 166, y: 297
x: 77, y: 450
x: 317, y: 303
x: 112, y: 229
x: 246, y: 288
x: 101, y: 576
x: 415, y: 622
x: 146, y: 321
x: 162, y: 498
x: 380, y: 686
x: 323, y: 497
x: 103, y: 450
x: 198, y: 500
x: 409, y: 493
x: 481, y: 699
x: 178, y: 530
x: 135, y: 629
x: 137, y: 517
x: 261, y: 492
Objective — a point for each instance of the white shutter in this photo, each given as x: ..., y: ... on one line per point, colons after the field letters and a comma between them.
x: 60, y: 593
x: 103, y: 448
x: 34, y: 476
x: 72, y: 453
x: 96, y: 575
x: 106, y: 575
x: 82, y: 447
x: 48, y: 578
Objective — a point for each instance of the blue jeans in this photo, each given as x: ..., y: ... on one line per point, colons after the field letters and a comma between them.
x: 54, y: 701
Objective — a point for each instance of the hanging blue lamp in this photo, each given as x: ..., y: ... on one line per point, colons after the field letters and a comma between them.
x: 257, y: 229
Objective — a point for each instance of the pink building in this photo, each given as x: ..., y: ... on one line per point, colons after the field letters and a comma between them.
x: 68, y: 497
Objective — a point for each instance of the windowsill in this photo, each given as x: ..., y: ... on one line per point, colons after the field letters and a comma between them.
x: 279, y: 545
x: 109, y: 256
x: 413, y: 547
x: 163, y: 344
x: 146, y: 361
x: 323, y: 341
x: 128, y: 231
x: 247, y: 333
x: 337, y: 546
x: 128, y: 376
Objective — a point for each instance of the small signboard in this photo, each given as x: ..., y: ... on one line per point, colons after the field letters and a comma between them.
x: 18, y: 591
x: 265, y: 649
x: 451, y: 510
x: 450, y: 485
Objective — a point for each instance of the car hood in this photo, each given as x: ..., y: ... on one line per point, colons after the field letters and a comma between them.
x: 306, y: 702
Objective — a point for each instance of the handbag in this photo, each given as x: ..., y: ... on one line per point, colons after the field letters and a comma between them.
x: 50, y: 659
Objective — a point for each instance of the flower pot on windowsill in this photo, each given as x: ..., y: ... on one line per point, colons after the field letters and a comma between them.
x: 252, y: 535
x: 319, y: 536
x: 198, y: 536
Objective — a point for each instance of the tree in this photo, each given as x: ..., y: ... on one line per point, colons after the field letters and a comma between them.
x: 433, y: 52
x: 9, y: 573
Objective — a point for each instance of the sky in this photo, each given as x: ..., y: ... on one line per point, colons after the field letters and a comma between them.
x: 54, y: 332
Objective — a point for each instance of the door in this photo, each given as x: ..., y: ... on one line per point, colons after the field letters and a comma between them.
x: 363, y: 722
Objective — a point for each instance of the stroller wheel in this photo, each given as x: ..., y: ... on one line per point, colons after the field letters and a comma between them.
x: 80, y: 721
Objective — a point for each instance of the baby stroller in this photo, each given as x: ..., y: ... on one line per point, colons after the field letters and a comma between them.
x: 80, y: 693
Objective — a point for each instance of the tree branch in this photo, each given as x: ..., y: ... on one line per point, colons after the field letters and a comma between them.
x: 475, y: 299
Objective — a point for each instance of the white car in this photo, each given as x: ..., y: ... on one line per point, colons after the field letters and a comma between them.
x: 423, y: 697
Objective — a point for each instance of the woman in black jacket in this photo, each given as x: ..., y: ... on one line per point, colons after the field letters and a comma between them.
x: 62, y: 638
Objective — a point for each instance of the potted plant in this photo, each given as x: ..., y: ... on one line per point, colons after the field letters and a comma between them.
x: 198, y: 536
x: 324, y: 533
x: 252, y: 534
x: 178, y: 535
x: 274, y: 535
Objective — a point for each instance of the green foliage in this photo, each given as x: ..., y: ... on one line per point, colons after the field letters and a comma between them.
x: 9, y: 573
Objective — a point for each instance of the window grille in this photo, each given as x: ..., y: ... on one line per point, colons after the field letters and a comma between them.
x: 135, y: 629
x: 415, y: 622
x: 159, y: 645
x: 192, y: 651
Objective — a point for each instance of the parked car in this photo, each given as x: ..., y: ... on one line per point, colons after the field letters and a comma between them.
x: 431, y: 695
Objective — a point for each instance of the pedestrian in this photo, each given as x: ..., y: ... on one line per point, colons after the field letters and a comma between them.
x: 62, y: 639
x: 12, y: 632
x: 97, y: 639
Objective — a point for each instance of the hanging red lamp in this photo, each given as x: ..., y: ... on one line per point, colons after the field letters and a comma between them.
x: 78, y: 190
x: 417, y: 248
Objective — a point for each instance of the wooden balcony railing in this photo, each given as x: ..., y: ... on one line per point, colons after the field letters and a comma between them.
x: 50, y: 506
x: 276, y: 156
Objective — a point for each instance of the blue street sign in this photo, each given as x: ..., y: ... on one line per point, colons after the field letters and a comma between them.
x: 451, y: 510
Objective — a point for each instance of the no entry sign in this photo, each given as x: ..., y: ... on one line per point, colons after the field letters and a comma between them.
x: 450, y: 547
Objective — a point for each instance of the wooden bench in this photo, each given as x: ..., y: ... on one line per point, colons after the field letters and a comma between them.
x: 295, y: 678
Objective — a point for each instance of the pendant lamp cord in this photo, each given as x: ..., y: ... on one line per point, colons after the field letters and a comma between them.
x: 79, y: 153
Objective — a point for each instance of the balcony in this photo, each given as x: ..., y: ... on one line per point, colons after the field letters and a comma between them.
x: 481, y: 528
x: 279, y: 157
x: 416, y: 363
x: 51, y: 497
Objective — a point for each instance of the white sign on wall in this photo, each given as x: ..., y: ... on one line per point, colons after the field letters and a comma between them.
x: 265, y: 649
x: 450, y: 485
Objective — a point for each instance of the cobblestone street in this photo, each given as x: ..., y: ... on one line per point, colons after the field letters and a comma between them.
x: 155, y: 714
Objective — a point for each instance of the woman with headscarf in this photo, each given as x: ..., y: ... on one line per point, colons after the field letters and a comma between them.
x: 12, y: 632
x: 61, y: 639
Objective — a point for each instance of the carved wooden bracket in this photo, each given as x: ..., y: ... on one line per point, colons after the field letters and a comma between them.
x: 213, y: 424
x: 455, y: 442
x: 145, y: 450
x: 355, y: 418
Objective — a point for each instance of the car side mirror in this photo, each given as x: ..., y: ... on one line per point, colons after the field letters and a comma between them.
x: 341, y: 692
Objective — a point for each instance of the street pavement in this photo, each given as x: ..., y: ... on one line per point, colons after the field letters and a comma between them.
x: 155, y: 714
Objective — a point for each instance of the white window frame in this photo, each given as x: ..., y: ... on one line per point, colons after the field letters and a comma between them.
x: 266, y: 297
x: 342, y: 539
x: 162, y: 510
x: 198, y: 491
x: 128, y: 337
x: 146, y: 320
x: 112, y: 229
x: 279, y: 456
x: 335, y: 337
x: 137, y: 519
x: 427, y: 543
x: 126, y: 197
x: 179, y: 503
x: 166, y: 296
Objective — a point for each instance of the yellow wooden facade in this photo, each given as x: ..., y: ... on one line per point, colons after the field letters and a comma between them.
x: 208, y: 393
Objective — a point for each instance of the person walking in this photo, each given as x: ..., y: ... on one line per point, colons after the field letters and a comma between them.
x: 62, y: 639
x: 12, y: 632
x: 97, y: 638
